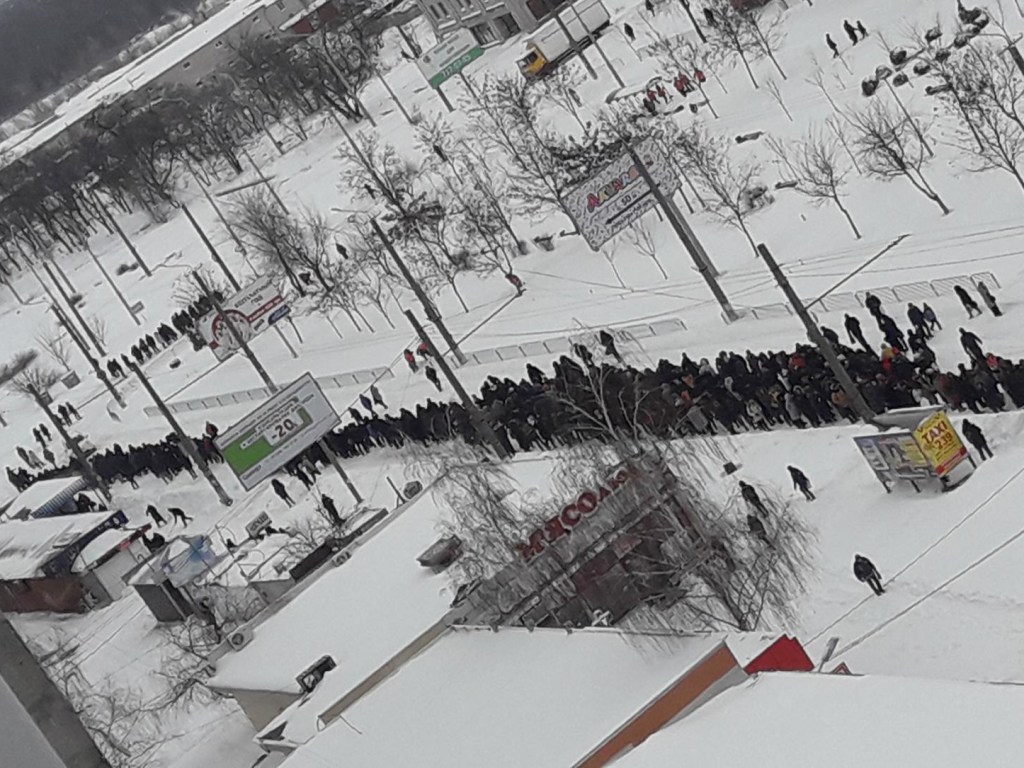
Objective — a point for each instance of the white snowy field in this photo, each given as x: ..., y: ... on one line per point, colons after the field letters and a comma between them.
x: 927, y: 625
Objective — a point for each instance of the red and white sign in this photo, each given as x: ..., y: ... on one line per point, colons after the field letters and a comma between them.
x: 573, y: 514
x: 252, y: 310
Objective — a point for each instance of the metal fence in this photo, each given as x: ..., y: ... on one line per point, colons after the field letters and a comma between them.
x: 337, y: 381
x: 562, y: 345
x: 923, y: 289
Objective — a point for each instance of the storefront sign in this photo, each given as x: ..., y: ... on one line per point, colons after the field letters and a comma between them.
x: 572, y: 515
x: 940, y: 443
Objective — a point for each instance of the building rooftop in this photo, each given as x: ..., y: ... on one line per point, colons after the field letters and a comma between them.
x: 790, y: 720
x: 508, y: 698
x: 55, y: 491
x: 27, y: 545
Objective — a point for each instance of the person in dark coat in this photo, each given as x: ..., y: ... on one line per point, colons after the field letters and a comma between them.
x: 377, y: 397
x: 931, y: 318
x: 832, y: 46
x: 331, y: 510
x: 410, y: 358
x: 866, y: 572
x: 431, y: 374
x: 989, y: 299
x: 830, y: 336
x: 850, y: 31
x: 752, y: 498
x: 862, y: 29
x: 366, y: 403
x: 630, y: 34
x: 608, y: 342
x: 976, y: 438
x: 972, y: 345
x: 179, y: 515
x: 281, y: 491
x: 801, y: 482
x: 916, y: 317
x: 873, y: 304
x: 303, y: 478
x: 969, y: 303
x: 757, y: 528
x: 158, y: 519
x: 853, y: 330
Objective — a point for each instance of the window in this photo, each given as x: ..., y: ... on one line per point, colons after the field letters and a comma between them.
x: 435, y: 11
x: 507, y: 26
x: 483, y: 34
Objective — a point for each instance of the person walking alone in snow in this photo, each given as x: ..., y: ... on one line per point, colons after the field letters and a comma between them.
x: 976, y: 438
x: 832, y: 46
x: 989, y: 299
x: 281, y: 491
x: 972, y: 345
x: 862, y: 30
x: 331, y: 510
x: 377, y: 398
x: 431, y: 374
x: 965, y: 298
x: 750, y: 495
x: 866, y: 572
x: 801, y: 482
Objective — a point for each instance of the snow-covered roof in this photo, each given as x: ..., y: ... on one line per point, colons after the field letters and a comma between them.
x: 99, y: 547
x: 363, y: 612
x: 511, y: 698
x: 27, y: 545
x: 42, y: 493
x: 783, y: 720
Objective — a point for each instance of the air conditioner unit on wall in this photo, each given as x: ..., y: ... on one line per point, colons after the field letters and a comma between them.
x: 240, y: 638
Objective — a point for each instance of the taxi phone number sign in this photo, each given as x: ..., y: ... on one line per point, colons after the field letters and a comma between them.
x: 940, y: 443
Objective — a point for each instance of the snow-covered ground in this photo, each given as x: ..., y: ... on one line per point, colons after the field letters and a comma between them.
x: 953, y: 609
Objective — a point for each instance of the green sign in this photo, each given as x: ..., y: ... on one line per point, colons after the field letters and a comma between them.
x: 452, y: 69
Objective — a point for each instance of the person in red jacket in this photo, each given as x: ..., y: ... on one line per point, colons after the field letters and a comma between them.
x: 410, y: 358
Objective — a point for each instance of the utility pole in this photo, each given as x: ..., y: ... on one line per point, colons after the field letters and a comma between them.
x: 233, y: 330
x: 575, y: 45
x: 74, y: 311
x: 93, y: 363
x: 186, y: 442
x: 333, y: 458
x: 686, y: 237
x: 483, y: 427
x: 857, y: 400
x: 428, y: 306
x: 70, y: 442
x: 210, y: 247
x: 597, y: 45
x: 128, y: 243
x: 113, y: 286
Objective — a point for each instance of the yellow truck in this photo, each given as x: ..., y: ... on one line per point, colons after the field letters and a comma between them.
x: 549, y: 46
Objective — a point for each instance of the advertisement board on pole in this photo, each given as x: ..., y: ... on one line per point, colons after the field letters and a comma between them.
x: 940, y: 443
x: 895, y: 456
x: 616, y: 197
x: 277, y: 431
x: 252, y: 310
x: 449, y: 57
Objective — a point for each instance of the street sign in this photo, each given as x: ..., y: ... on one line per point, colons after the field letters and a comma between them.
x: 940, y: 443
x: 449, y: 57
x: 895, y: 456
x: 252, y: 310
x: 618, y: 196
x: 137, y: 307
x: 277, y: 431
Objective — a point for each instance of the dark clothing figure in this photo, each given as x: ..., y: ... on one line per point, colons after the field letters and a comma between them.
x: 989, y: 299
x: 972, y: 345
x: 375, y: 394
x: 862, y: 30
x: 757, y: 528
x: 916, y: 317
x: 709, y: 17
x: 410, y: 358
x: 179, y: 515
x: 866, y: 572
x: 752, y: 498
x: 873, y: 304
x: 931, y: 318
x: 303, y: 478
x: 281, y: 491
x: 366, y: 403
x: 853, y: 330
x: 801, y: 482
x: 608, y: 342
x: 976, y: 438
x: 850, y: 32
x: 832, y: 46
x: 630, y: 34
x: 431, y: 374
x: 331, y: 510
x: 969, y: 303
x: 158, y: 519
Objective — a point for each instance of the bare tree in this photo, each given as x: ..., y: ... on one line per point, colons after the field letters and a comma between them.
x: 277, y: 237
x: 889, y: 148
x: 641, y: 237
x: 816, y: 166
x: 98, y: 326
x: 560, y: 88
x: 55, y: 343
x: 745, y: 34
x: 773, y: 89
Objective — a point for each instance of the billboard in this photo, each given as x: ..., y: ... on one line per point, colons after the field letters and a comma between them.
x: 616, y: 197
x: 252, y: 310
x: 277, y: 431
x: 895, y: 456
x: 449, y: 57
x: 940, y: 443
